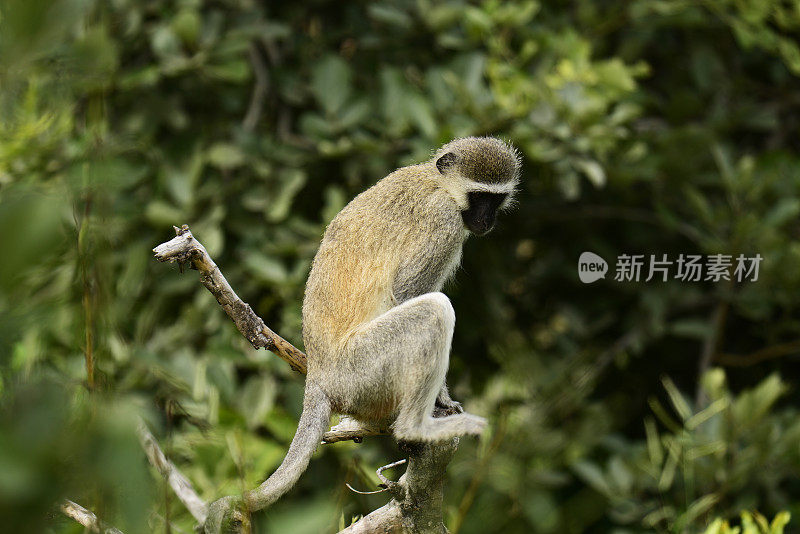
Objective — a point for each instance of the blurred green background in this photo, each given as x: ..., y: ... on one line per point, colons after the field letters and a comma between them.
x: 646, y: 127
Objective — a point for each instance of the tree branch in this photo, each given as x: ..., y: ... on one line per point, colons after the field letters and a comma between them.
x: 180, y: 484
x: 185, y: 248
x: 86, y: 518
x: 350, y: 429
x: 418, y: 494
x: 767, y: 353
x: 259, y: 90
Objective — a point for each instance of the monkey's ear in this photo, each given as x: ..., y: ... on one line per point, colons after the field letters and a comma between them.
x: 446, y: 161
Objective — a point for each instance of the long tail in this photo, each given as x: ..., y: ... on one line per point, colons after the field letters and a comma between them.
x: 313, y: 424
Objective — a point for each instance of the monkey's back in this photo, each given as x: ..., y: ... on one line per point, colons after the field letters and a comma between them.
x: 398, y: 239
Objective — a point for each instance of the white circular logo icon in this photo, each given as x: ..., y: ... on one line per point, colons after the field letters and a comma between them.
x: 591, y: 267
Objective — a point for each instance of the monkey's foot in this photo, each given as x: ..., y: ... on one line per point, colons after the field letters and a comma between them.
x: 473, y: 425
x: 445, y: 404
x: 440, y: 428
x: 448, y: 406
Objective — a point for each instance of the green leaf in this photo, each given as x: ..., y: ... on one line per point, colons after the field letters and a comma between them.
x: 355, y: 113
x: 691, y: 328
x: 265, y: 268
x: 390, y: 15
x: 421, y: 113
x: 621, y: 475
x: 696, y: 509
x: 753, y: 404
x: 164, y: 42
x: 678, y: 401
x: 163, y: 214
x: 593, y: 171
x: 292, y: 182
x: 257, y: 399
x: 654, y: 448
x: 670, y: 467
x: 225, y: 156
x: 593, y: 475
x: 717, y: 527
x: 234, y: 70
x: 787, y: 209
x: 779, y: 522
x: 331, y: 82
x: 186, y: 25
x: 701, y: 417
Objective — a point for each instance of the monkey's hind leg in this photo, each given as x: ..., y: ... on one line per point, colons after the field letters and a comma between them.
x: 414, y: 339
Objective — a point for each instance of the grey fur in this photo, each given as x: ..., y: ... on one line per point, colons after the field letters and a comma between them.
x: 484, y: 159
x: 313, y: 423
x: 376, y: 329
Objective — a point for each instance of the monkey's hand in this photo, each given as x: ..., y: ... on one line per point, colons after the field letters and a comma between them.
x: 227, y: 515
x: 447, y: 404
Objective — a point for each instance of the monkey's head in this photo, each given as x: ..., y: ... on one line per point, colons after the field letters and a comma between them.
x: 481, y: 174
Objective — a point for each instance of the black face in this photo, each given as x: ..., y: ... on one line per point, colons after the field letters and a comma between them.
x: 480, y: 215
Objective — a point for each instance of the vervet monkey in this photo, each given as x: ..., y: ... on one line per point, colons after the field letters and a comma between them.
x: 377, y: 330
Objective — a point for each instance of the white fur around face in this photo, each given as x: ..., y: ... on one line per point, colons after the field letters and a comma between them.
x: 458, y: 186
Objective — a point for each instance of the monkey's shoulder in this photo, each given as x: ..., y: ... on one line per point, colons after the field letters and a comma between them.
x: 408, y: 201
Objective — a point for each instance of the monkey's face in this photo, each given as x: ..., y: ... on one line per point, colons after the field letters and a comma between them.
x: 480, y: 215
x: 481, y: 175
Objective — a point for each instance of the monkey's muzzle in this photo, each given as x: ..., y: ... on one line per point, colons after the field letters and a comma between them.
x: 481, y: 214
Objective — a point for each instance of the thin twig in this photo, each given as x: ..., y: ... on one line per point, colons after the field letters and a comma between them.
x: 710, y: 348
x: 767, y: 353
x: 86, y: 518
x: 259, y: 89
x: 87, y: 299
x: 351, y: 488
x: 180, y: 484
x: 383, y: 468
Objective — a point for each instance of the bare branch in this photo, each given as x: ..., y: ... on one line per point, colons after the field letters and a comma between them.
x: 767, y: 353
x: 86, y: 518
x: 350, y: 429
x: 386, y: 519
x: 180, y: 484
x: 417, y: 503
x: 185, y: 248
x: 259, y: 90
